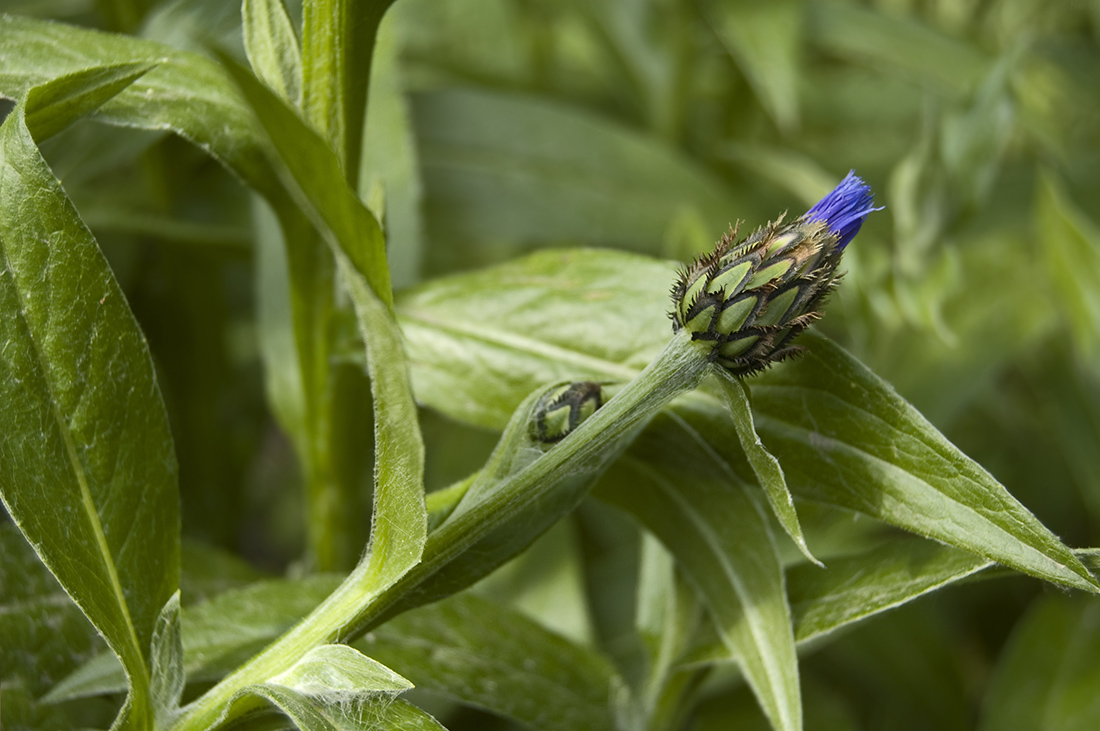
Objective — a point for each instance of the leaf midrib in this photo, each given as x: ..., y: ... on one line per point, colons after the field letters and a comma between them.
x: 521, y: 344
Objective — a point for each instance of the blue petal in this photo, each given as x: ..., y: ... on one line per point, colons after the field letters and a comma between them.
x: 844, y: 208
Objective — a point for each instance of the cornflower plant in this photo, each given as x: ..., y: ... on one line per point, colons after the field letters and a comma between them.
x: 677, y: 453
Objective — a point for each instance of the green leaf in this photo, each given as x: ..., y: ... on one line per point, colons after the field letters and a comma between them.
x: 272, y: 47
x: 186, y: 93
x: 339, y: 671
x: 312, y: 172
x: 523, y: 490
x: 856, y: 587
x: 511, y: 168
x: 90, y: 473
x: 488, y: 656
x: 469, y: 648
x: 52, y: 107
x: 846, y: 438
x: 1047, y: 674
x: 681, y: 490
x: 764, y: 39
x: 337, y: 47
x: 166, y: 663
x: 480, y: 342
x: 369, y: 714
x: 735, y: 395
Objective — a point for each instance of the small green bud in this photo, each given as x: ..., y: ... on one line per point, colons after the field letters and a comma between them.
x: 562, y: 409
x: 750, y: 298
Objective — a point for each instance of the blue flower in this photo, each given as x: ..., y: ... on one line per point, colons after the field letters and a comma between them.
x: 844, y: 208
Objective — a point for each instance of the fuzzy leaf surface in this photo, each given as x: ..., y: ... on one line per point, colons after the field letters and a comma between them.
x: 272, y: 47
x: 90, y: 470
x: 845, y: 437
x: 186, y: 93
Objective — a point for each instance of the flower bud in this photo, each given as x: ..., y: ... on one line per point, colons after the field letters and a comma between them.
x: 750, y: 298
x: 562, y: 409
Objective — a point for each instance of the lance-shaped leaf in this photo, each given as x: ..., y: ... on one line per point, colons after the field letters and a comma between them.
x: 847, y: 438
x: 680, y: 489
x: 737, y: 398
x: 89, y: 473
x: 272, y: 47
x: 187, y: 93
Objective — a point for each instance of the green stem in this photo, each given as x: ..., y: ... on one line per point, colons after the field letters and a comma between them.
x: 356, y: 605
x: 337, y: 44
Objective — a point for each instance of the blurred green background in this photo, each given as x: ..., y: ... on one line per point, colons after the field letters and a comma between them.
x: 500, y: 126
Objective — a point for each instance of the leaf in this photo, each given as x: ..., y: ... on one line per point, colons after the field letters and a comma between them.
x: 337, y: 47
x: 1047, y: 674
x: 52, y: 107
x: 509, y: 168
x: 90, y: 471
x: 679, y: 489
x: 186, y: 93
x: 552, y: 316
x: 272, y: 47
x: 854, y: 588
x: 764, y: 39
x: 735, y: 395
x: 846, y: 438
x: 524, y: 488
x: 488, y: 656
x: 469, y: 648
x: 339, y: 671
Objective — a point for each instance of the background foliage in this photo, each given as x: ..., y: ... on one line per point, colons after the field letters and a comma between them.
x: 499, y: 127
